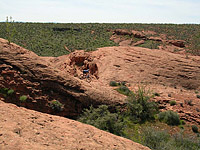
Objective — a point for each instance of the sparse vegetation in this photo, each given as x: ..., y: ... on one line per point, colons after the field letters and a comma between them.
x: 56, y: 106
x: 6, y: 92
x: 150, y: 44
x: 44, y: 39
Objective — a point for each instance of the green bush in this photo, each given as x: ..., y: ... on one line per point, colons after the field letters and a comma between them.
x: 124, y: 90
x: 156, y: 140
x: 113, y: 83
x: 56, y: 106
x: 172, y: 103
x: 101, y: 118
x: 182, y: 122
x: 139, y: 106
x: 195, y: 129
x: 10, y: 92
x: 23, y: 98
x: 198, y: 96
x: 169, y: 117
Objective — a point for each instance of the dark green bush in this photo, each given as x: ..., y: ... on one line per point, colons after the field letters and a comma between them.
x: 139, y: 106
x: 123, y: 83
x: 169, y: 95
x: 113, y: 83
x: 169, y: 117
x: 156, y: 94
x: 124, y: 90
x: 56, y: 106
x: 6, y: 92
x: 172, y: 103
x: 101, y: 118
x: 198, y: 96
x: 195, y: 129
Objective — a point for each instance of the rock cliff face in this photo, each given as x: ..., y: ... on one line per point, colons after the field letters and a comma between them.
x: 23, y: 129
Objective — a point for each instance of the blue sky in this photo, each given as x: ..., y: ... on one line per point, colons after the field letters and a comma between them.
x: 102, y: 11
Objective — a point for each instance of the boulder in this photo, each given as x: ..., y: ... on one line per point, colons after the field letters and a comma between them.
x: 178, y: 43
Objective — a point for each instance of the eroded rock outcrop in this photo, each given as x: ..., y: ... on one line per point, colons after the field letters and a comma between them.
x: 118, y: 37
x: 42, y: 82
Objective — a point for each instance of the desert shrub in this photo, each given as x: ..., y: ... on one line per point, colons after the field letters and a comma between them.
x: 161, y: 140
x: 169, y: 95
x: 10, y: 92
x: 195, y: 129
x: 182, y: 122
x: 181, y: 126
x: 113, y: 83
x: 139, y: 106
x: 156, y: 94
x: 169, y: 117
x: 196, y: 92
x: 198, y: 96
x: 56, y: 106
x: 189, y: 102
x: 156, y: 140
x: 10, y: 29
x: 101, y: 118
x: 23, y: 98
x: 124, y: 90
x: 123, y: 83
x: 6, y: 92
x: 172, y: 103
x: 182, y: 142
